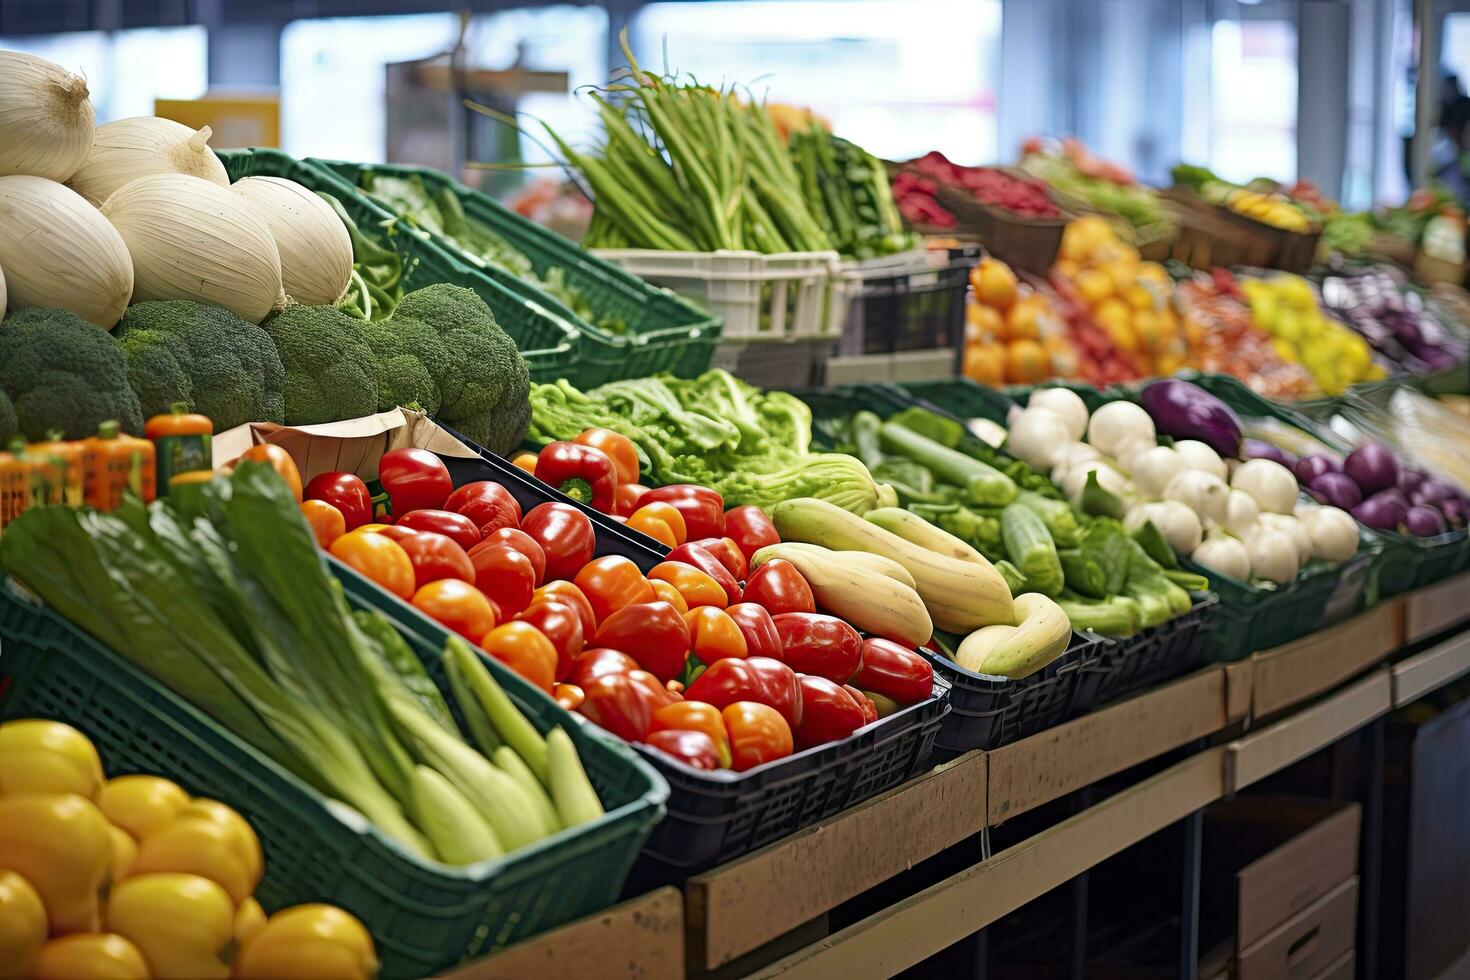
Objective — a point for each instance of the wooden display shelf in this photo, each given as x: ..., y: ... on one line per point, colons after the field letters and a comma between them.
x: 1436, y: 607
x: 950, y: 910
x: 752, y: 900
x: 1277, y: 746
x: 643, y: 938
x: 1053, y: 763
x: 1302, y: 669
x: 1238, y: 686
x: 1424, y: 672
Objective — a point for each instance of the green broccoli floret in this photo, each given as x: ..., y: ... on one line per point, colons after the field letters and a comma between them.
x: 412, y: 359
x: 486, y: 386
x: 205, y: 357
x: 8, y: 424
x: 64, y: 375
x: 331, y: 373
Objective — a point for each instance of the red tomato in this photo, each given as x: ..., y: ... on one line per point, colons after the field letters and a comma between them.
x: 828, y: 712
x: 618, y: 447
x: 489, y: 505
x: 415, y: 479
x: 458, y: 528
x: 750, y: 529
x: 565, y: 534
x: 728, y: 553
x: 813, y: 643
x: 595, y: 662
x: 562, y: 626
x: 506, y: 576
x: 695, y: 749
x: 522, y: 648
x: 652, y: 632
x: 654, y: 691
x: 458, y: 606
x: 379, y: 559
x: 325, y: 521
x: 347, y: 493
x: 713, y: 635
x: 753, y: 679
x: 695, y: 716
x: 520, y: 541
x: 758, y: 734
x: 436, y: 557
x: 563, y: 591
x: 625, y: 498
x: 615, y: 702
x: 612, y: 582
x: 758, y: 628
x: 779, y: 587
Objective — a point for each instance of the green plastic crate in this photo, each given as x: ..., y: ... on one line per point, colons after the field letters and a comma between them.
x: 424, y: 918
x: 547, y: 338
x: 666, y: 333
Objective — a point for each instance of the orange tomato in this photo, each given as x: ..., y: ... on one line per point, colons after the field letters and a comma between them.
x: 994, y: 283
x: 1023, y: 321
x: 664, y: 511
x: 694, y: 716
x: 986, y: 363
x: 459, y: 606
x: 619, y: 449
x: 1026, y: 362
x: 277, y: 459
x: 667, y: 593
x: 612, y: 582
x: 524, y: 649
x: 377, y: 557
x: 327, y: 522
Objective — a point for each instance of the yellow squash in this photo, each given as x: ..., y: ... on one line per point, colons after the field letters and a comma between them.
x: 309, y: 942
x: 96, y: 956
x: 182, y: 923
x: 22, y: 926
x: 61, y: 844
x: 139, y: 804
x: 47, y: 757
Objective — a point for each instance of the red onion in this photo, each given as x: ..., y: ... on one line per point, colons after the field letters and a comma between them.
x: 1308, y: 468
x: 1373, y: 467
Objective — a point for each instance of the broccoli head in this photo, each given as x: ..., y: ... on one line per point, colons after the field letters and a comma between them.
x: 8, y: 424
x: 64, y: 375
x: 412, y: 361
x: 331, y: 373
x: 486, y: 386
x: 204, y: 357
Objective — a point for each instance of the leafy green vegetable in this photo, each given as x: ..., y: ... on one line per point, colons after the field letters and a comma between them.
x: 1113, y: 616
x: 1058, y: 516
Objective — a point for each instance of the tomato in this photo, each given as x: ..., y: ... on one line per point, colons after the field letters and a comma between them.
x: 618, y: 447
x: 828, y: 712
x: 814, y: 643
x: 758, y: 734
x: 612, y: 582
x: 728, y: 553
x: 569, y: 696
x: 697, y: 587
x: 414, y: 479
x: 458, y: 528
x: 525, y: 461
x: 506, y: 576
x: 378, y: 558
x: 659, y: 510
x: 692, y: 554
x: 375, y: 527
x: 750, y: 529
x: 563, y: 591
x: 625, y: 498
x: 458, y: 606
x: 779, y: 587
x: 758, y: 628
x: 653, y: 527
x: 565, y: 534
x: 347, y: 493
x: 713, y: 635
x: 651, y: 632
x: 562, y: 626
x: 520, y: 541
x: 595, y: 662
x: 326, y: 522
x: 695, y: 716
x: 277, y: 459
x: 435, y: 557
x: 695, y: 749
x: 525, y: 650
x: 489, y: 505
x: 665, y: 592
x: 616, y: 703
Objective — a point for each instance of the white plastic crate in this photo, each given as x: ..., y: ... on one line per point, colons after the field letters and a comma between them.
x: 760, y: 297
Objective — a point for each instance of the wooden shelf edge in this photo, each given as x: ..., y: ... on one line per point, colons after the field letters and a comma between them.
x: 1436, y: 607
x: 1425, y: 672
x: 1302, y: 669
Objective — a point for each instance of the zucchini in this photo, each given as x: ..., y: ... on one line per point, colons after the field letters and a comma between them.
x: 1057, y: 515
x: 863, y: 430
x: 982, y: 484
x: 1031, y: 549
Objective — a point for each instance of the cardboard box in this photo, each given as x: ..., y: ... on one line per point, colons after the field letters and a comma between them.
x: 353, y: 445
x: 1309, y: 943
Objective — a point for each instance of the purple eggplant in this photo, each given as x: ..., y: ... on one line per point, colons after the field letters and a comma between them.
x: 1308, y: 468
x: 1337, y: 489
x: 1186, y: 411
x: 1373, y: 467
x: 1259, y: 449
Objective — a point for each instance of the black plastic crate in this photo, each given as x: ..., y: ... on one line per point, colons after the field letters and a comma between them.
x: 911, y: 310
x: 1152, y: 656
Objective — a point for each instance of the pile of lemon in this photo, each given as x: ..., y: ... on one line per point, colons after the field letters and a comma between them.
x: 1285, y: 306
x: 1269, y: 209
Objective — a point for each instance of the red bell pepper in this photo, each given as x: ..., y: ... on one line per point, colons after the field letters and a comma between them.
x: 562, y: 626
x: 893, y: 670
x: 456, y: 527
x: 505, y: 576
x: 695, y: 716
x: 489, y: 505
x: 752, y: 679
x: 729, y: 554
x: 813, y: 643
x: 583, y: 473
x: 565, y: 534
x: 750, y: 529
x: 520, y: 541
x: 693, y: 554
x: 594, y: 662
x: 347, y: 493
x: 758, y: 734
x: 828, y: 712
x: 713, y: 635
x: 612, y: 582
x: 870, y: 710
x: 653, y: 689
x: 414, y: 479
x: 779, y: 587
x: 653, y: 632
x: 695, y: 749
x: 626, y: 497
x: 617, y: 447
x: 758, y: 628
x: 617, y: 704
x: 703, y: 509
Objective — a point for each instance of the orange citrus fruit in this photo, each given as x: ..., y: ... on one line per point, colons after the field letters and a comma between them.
x: 1093, y: 286
x: 1023, y: 321
x: 985, y: 363
x: 1026, y: 362
x: 994, y: 283
x: 984, y: 321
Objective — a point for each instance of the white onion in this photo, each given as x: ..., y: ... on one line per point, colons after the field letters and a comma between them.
x: 1154, y: 468
x: 1272, y: 485
x: 1116, y: 424
x: 46, y: 118
x: 59, y: 253
x: 1066, y: 405
x: 127, y: 149
x: 193, y: 239
x: 1241, y: 513
x: 1197, y: 455
x: 1035, y: 436
x: 1225, y: 555
x: 316, y: 251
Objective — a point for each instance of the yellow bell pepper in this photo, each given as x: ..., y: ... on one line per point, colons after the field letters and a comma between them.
x: 22, y: 925
x: 245, y: 838
x: 96, y: 956
x: 309, y: 942
x: 199, y: 845
x: 250, y: 918
x: 182, y: 923
x: 139, y: 804
x: 124, y: 852
x: 61, y: 844
x: 39, y: 756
